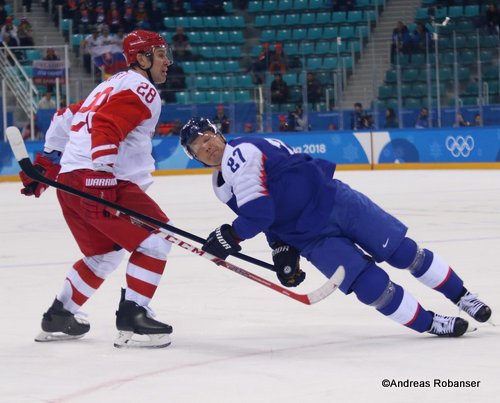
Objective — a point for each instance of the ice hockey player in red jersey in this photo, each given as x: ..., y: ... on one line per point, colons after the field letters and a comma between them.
x: 107, y: 153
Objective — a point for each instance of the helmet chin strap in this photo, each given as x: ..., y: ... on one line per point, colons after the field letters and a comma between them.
x: 148, y: 70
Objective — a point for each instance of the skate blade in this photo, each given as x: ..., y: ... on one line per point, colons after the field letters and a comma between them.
x: 127, y: 339
x: 48, y: 336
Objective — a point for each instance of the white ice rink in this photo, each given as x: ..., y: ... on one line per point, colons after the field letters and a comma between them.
x: 236, y: 341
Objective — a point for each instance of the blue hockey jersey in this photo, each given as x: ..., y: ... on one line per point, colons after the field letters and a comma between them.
x: 287, y: 196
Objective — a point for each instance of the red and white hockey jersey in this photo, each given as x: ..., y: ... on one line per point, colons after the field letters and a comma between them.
x: 114, y: 126
x: 57, y: 134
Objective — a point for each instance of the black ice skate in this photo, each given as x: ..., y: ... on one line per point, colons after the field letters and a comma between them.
x: 449, y: 326
x: 137, y: 329
x: 476, y: 308
x: 60, y: 324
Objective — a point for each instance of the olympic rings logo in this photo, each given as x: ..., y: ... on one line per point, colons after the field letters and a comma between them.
x: 460, y: 145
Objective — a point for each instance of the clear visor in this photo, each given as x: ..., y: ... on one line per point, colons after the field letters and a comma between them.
x: 168, y: 53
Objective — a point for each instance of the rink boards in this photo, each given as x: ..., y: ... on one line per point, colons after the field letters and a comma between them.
x: 450, y: 148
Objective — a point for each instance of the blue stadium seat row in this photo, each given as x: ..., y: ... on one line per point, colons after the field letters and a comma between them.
x: 205, y: 22
x: 186, y: 97
x: 213, y: 66
x: 315, y: 18
x: 210, y: 37
x: 315, y: 33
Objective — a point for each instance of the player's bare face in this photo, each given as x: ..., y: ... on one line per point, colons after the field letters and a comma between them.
x: 208, y: 148
x: 160, y: 65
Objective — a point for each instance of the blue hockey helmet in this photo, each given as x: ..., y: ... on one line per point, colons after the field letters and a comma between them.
x: 195, y: 127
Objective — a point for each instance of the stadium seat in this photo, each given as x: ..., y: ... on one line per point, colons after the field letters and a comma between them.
x: 284, y: 34
x: 307, y: 18
x: 292, y: 19
x: 255, y: 6
x: 323, y: 17
x: 314, y: 63
x: 215, y: 82
x: 218, y: 67
x: 182, y: 97
x: 200, y: 82
x: 285, y: 5
x: 269, y: 6
x: 339, y: 17
x: 314, y: 33
x: 243, y: 96
x: 277, y: 20
x: 262, y: 20
x: 300, y: 4
x: 298, y: 34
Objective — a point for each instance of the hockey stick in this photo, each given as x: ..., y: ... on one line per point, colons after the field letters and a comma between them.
x: 19, y: 149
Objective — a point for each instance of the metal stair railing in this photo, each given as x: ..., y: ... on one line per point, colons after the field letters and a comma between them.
x: 18, y: 82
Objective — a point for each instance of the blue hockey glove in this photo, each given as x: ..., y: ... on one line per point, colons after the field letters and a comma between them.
x: 287, y: 265
x: 222, y: 242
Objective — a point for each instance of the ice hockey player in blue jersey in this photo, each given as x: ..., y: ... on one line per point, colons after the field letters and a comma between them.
x: 303, y: 211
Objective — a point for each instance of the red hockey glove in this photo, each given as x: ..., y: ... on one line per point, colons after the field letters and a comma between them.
x: 48, y: 165
x: 287, y: 265
x: 100, y: 184
x: 222, y: 242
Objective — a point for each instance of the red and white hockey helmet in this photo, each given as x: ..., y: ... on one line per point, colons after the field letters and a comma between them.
x: 140, y: 41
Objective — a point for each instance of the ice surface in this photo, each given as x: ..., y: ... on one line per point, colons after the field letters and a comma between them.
x: 237, y: 341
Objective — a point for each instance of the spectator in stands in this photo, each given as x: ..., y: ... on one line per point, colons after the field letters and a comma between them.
x: 50, y: 54
x: 314, y: 89
x: 217, y: 7
x: 98, y: 14
x: 492, y: 19
x: 357, y: 117
x: 26, y: 132
x: 3, y: 14
x: 47, y: 102
x: 11, y: 29
x: 477, y: 120
x: 128, y: 19
x: 181, y: 46
x: 113, y: 18
x: 84, y: 22
x: 175, y: 8
x: 142, y: 16
x: 9, y: 42
x: 176, y: 77
x: 91, y: 48
x: 25, y: 33
x: 422, y: 39
x: 221, y: 120
x: 283, y: 123
x: 422, y: 119
x: 27, y: 4
x: 296, y: 120
x: 70, y: 9
x: 277, y: 60
x: 248, y: 128
x: 108, y: 41
x: 401, y: 41
x: 279, y: 89
x: 367, y: 122
x: 460, y: 121
x: 343, y: 5
x: 117, y: 41
x: 259, y: 66
x: 156, y: 17
x: 391, y: 120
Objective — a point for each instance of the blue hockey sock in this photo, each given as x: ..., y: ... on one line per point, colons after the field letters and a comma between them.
x: 373, y: 287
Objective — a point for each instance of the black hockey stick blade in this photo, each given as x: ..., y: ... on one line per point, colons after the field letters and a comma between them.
x: 21, y: 154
